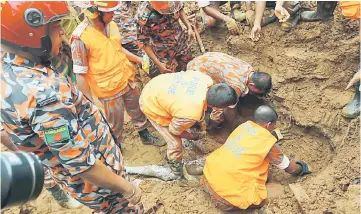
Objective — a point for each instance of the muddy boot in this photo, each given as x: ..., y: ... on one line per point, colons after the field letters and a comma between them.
x: 195, y: 167
x: 294, y: 11
x: 324, y: 12
x: 352, y: 109
x: 176, y: 167
x: 63, y: 199
x: 212, y: 125
x: 148, y: 139
x: 268, y: 17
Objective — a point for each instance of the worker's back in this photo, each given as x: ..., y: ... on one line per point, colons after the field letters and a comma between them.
x: 238, y: 170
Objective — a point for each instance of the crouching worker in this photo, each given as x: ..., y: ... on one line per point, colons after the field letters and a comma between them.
x: 174, y: 102
x: 53, y: 119
x: 235, y: 175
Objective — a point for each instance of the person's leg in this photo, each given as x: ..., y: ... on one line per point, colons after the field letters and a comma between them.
x: 352, y: 109
x: 174, y: 148
x: 293, y: 8
x: 138, y: 118
x: 324, y: 12
x: 218, y: 201
x: 114, y: 114
x: 60, y: 196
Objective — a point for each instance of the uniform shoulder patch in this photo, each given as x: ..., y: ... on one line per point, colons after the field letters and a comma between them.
x: 56, y: 135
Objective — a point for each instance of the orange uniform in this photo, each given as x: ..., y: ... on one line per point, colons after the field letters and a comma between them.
x: 235, y: 175
x: 350, y: 9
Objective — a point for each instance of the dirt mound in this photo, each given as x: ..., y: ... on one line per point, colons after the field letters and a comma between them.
x: 310, y: 67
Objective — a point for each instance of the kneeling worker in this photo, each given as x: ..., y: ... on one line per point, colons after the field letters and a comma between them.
x: 174, y: 102
x: 240, y: 75
x: 235, y: 175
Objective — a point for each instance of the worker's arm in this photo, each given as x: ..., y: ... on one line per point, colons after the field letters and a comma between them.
x: 256, y: 29
x: 184, y: 18
x: 213, y: 12
x: 144, y: 36
x: 73, y: 149
x: 5, y: 140
x: 79, y: 54
x: 83, y: 85
x: 99, y: 175
x: 178, y: 128
x: 161, y: 66
x: 132, y: 57
x: 283, y: 162
x: 260, y: 7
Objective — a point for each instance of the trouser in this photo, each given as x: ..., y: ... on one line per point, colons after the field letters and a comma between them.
x: 174, y: 144
x: 114, y: 112
x: 48, y: 180
x: 217, y: 200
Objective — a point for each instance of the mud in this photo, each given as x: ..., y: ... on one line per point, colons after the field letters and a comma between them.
x: 310, y: 67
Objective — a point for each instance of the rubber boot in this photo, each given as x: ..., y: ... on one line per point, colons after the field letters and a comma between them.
x: 176, y: 167
x: 293, y: 9
x: 268, y: 17
x: 63, y: 199
x: 352, y: 109
x: 195, y: 167
x: 148, y: 139
x: 324, y: 12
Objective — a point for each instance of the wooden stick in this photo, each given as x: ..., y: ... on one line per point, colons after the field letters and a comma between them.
x: 199, y: 40
x: 301, y: 196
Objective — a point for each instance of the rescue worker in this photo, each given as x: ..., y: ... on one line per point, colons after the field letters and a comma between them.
x: 175, y: 102
x: 59, y: 195
x: 53, y: 119
x: 238, y: 74
x: 235, y: 175
x: 102, y: 66
x: 324, y: 12
x: 162, y: 37
x: 127, y: 28
x: 210, y: 13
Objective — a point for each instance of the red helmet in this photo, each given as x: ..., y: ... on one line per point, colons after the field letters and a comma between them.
x: 166, y: 7
x: 23, y: 24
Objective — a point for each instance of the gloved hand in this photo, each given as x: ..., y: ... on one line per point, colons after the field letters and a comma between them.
x: 145, y: 63
x: 232, y: 26
x: 281, y: 134
x: 305, y: 169
x: 250, y: 16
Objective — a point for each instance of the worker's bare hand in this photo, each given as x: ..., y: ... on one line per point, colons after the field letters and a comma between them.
x: 256, y: 33
x: 135, y: 199
x: 163, y: 68
x: 281, y: 13
x: 250, y: 16
x: 191, y: 35
x: 354, y: 80
x: 232, y: 26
